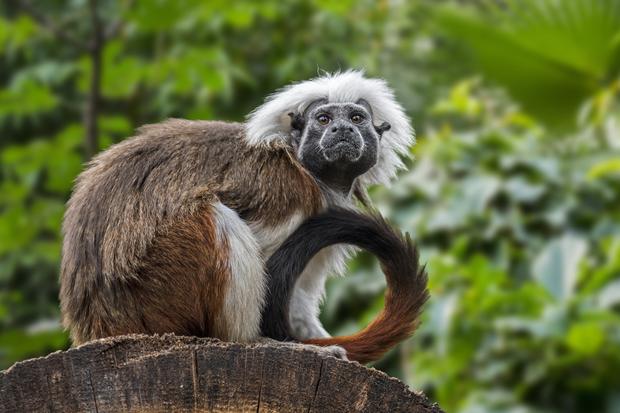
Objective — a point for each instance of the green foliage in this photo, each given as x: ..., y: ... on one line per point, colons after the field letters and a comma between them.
x: 520, y: 229
x: 551, y: 55
x: 523, y: 251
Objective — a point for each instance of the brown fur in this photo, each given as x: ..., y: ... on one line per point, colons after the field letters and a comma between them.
x: 140, y: 251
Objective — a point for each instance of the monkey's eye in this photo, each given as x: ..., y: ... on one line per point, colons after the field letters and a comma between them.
x: 323, y: 119
x: 357, y: 118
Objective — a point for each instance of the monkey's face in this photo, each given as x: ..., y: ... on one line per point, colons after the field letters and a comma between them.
x: 337, y: 142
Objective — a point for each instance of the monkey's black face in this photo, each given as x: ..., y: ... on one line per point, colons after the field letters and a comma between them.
x: 337, y: 142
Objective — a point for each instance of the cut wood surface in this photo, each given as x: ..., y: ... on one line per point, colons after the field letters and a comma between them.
x: 140, y: 373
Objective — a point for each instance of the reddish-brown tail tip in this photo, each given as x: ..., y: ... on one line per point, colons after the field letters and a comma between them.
x: 405, y: 296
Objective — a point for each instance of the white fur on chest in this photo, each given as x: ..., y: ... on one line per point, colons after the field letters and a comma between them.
x: 269, y: 238
x: 331, y: 260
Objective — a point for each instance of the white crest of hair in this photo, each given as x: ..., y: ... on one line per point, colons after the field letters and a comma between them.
x: 244, y: 297
x: 270, y: 121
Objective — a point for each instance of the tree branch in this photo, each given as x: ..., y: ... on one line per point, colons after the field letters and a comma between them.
x: 49, y: 25
x: 91, y: 111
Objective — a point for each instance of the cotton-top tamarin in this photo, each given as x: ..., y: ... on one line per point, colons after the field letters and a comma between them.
x: 169, y: 231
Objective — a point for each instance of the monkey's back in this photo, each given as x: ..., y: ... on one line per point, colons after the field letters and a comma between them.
x: 134, y: 201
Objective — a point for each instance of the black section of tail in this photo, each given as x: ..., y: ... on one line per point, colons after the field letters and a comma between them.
x: 406, y: 281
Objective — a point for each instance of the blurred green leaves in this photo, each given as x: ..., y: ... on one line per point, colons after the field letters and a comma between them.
x: 605, y: 167
x: 550, y: 55
x: 14, y: 34
x: 20, y: 345
x: 520, y: 229
x: 24, y: 99
x: 522, y: 243
x: 585, y: 337
x: 557, y: 265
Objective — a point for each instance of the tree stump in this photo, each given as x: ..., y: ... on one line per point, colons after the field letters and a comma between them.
x: 188, y: 374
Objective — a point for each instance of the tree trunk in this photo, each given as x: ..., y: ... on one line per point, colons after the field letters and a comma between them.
x: 171, y: 373
x: 91, y: 111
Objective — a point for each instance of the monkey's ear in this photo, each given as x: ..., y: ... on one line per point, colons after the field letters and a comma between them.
x: 384, y: 127
x: 297, y: 124
x: 297, y: 121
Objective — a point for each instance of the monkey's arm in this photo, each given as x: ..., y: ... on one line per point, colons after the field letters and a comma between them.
x: 310, y: 289
x: 304, y: 310
x: 406, y: 292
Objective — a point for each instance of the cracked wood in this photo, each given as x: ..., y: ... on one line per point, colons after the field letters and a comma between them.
x: 139, y: 373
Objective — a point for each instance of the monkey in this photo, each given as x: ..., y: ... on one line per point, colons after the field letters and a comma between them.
x: 169, y: 230
x: 406, y: 292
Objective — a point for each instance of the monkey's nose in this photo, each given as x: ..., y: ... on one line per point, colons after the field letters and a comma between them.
x: 335, y: 129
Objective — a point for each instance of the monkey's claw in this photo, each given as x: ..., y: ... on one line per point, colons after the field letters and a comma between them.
x: 335, y: 351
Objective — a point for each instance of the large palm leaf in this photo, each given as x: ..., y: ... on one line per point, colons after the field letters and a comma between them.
x: 551, y: 55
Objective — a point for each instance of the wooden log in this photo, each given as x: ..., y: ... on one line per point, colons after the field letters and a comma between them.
x: 139, y: 373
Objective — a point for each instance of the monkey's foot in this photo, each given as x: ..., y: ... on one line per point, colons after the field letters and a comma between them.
x: 334, y: 351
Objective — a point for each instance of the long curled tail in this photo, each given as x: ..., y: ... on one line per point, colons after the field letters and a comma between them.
x: 406, y: 280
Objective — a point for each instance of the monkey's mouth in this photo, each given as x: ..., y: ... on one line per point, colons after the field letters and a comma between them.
x: 342, y: 149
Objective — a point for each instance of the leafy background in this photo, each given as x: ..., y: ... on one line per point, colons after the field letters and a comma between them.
x: 513, y: 193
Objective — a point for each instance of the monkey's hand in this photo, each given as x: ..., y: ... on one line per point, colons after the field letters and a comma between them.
x: 330, y: 351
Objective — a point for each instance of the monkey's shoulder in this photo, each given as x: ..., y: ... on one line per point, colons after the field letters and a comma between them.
x: 196, y: 129
x: 175, y: 145
x: 202, y: 137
